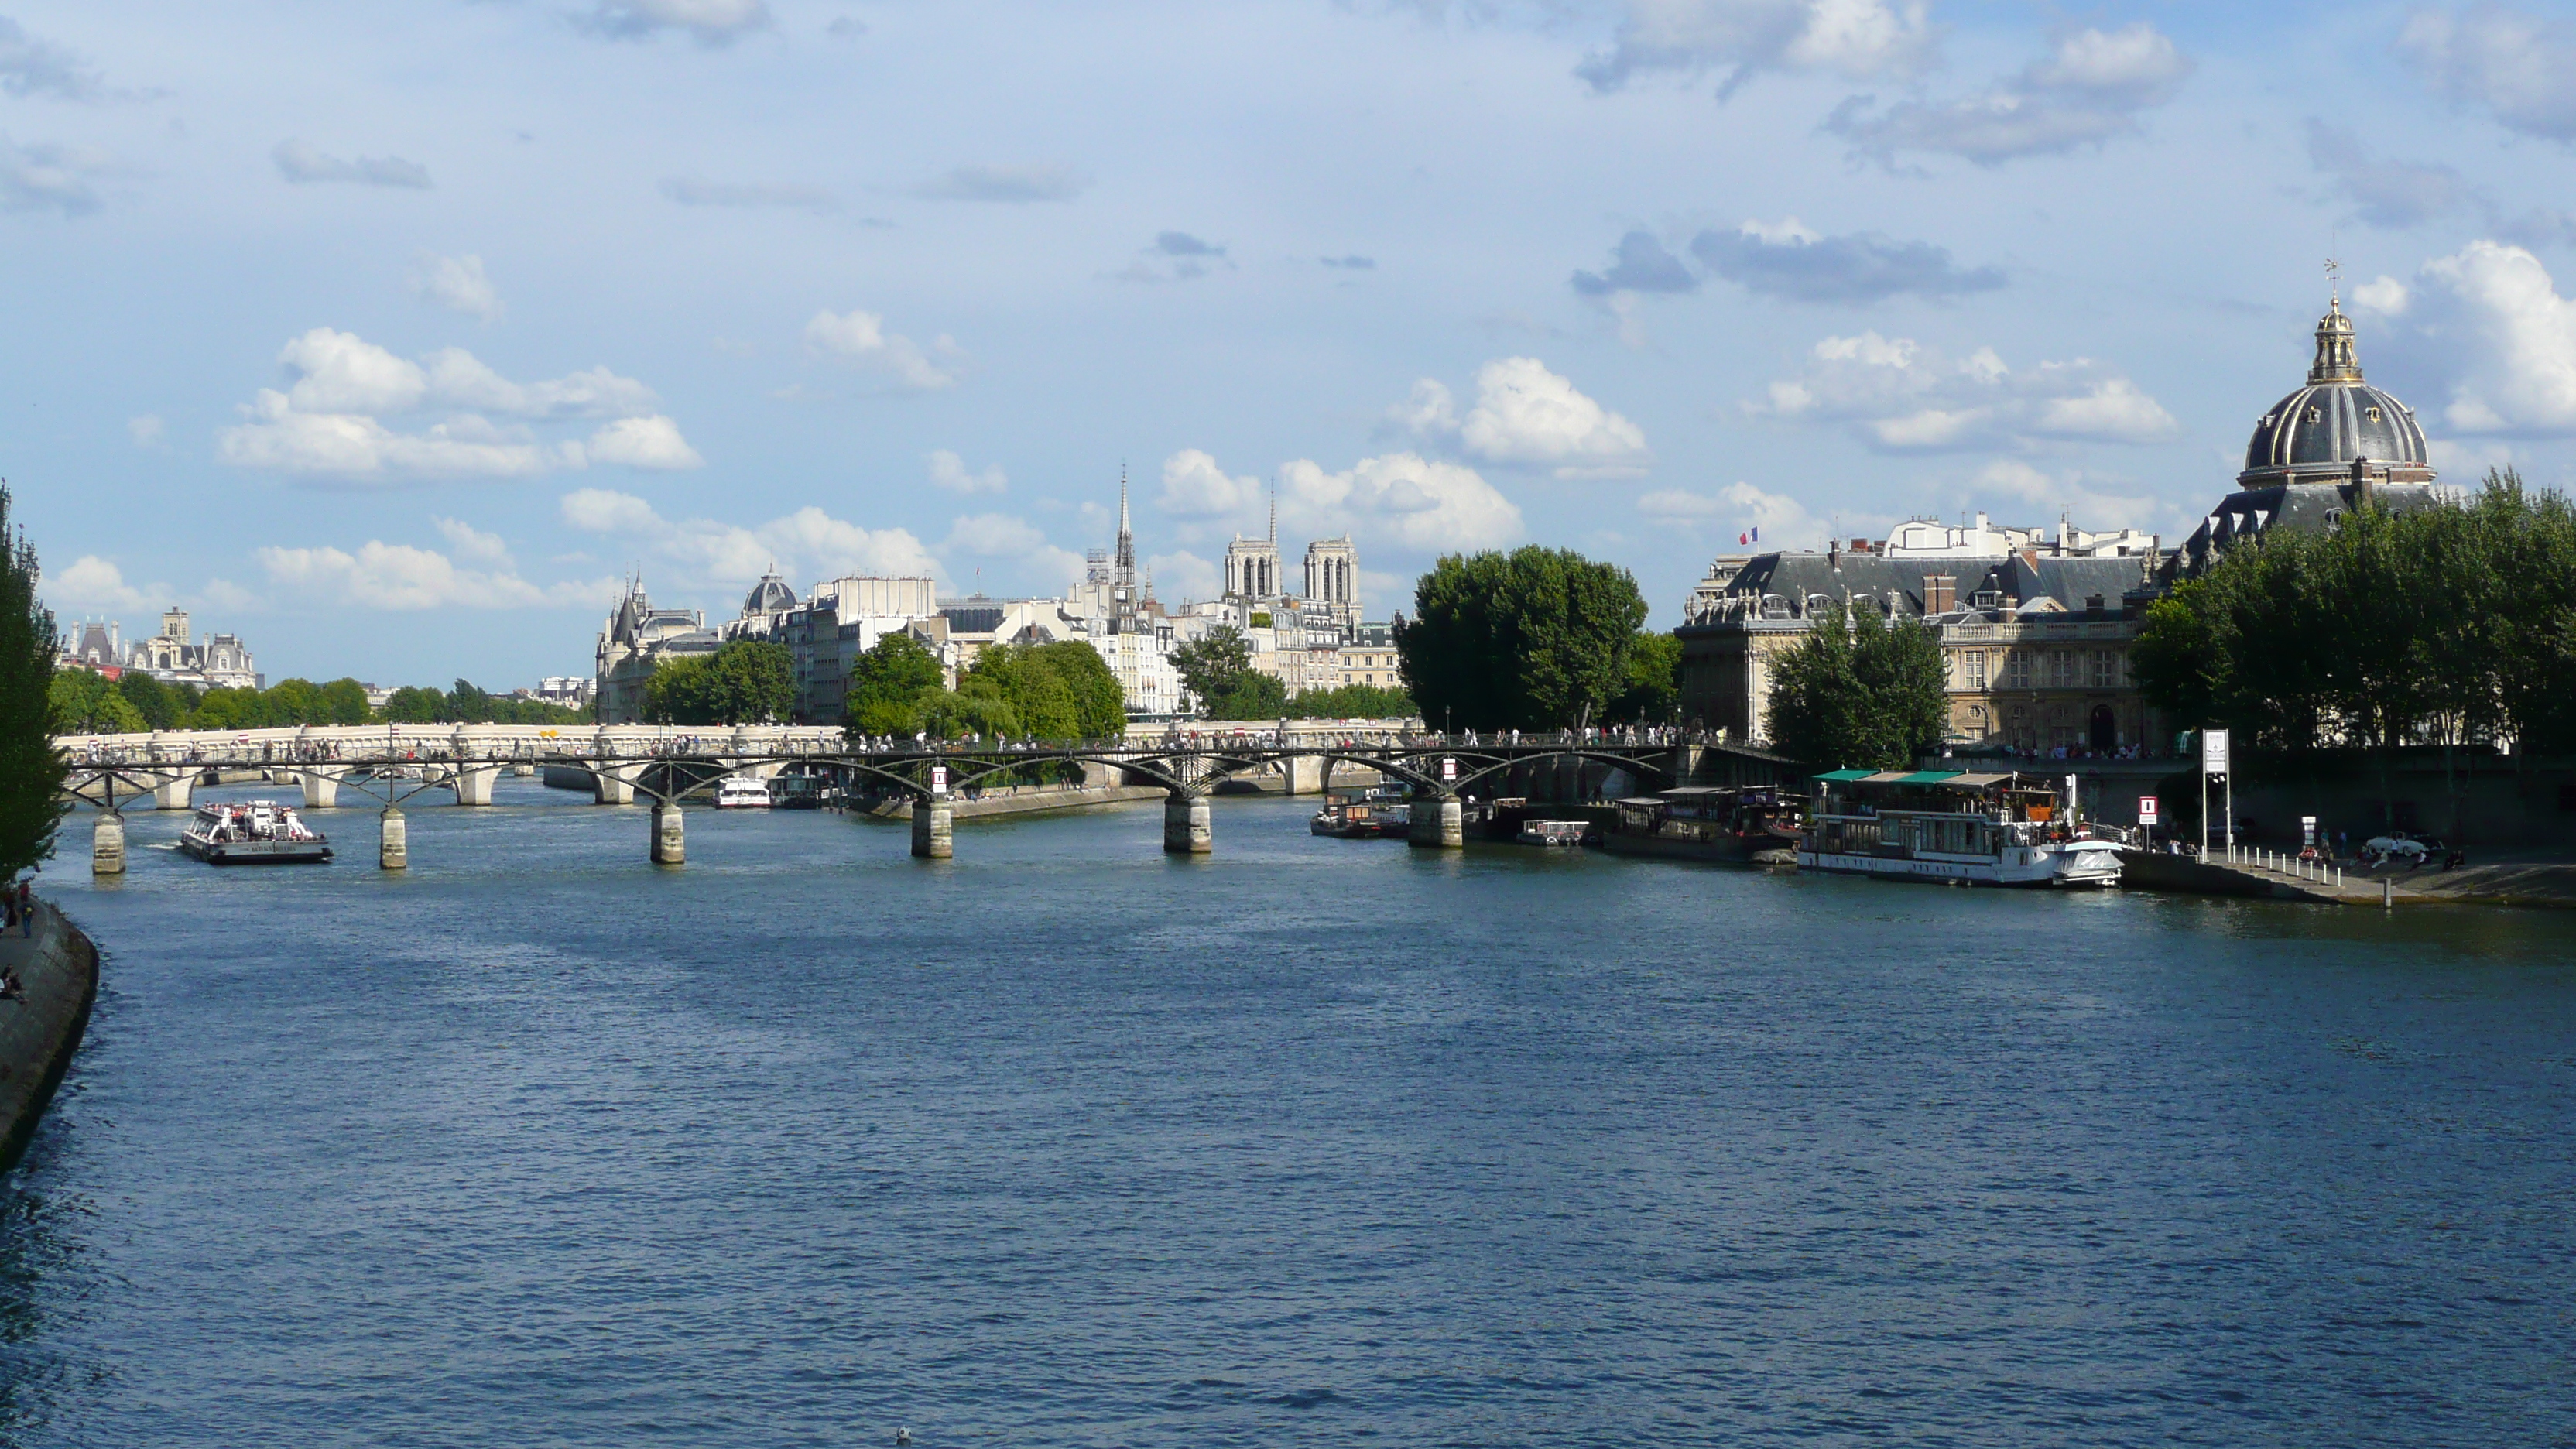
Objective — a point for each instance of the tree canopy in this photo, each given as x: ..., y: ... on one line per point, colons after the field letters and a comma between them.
x: 31, y: 769
x: 1654, y: 691
x: 1350, y: 701
x: 889, y: 685
x: 1533, y: 639
x: 748, y: 681
x: 1859, y: 691
x: 1062, y: 691
x: 2444, y: 624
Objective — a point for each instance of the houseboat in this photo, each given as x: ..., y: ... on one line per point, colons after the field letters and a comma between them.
x: 260, y: 832
x: 742, y: 792
x: 1756, y: 825
x: 1553, y: 834
x: 1366, y: 816
x: 1950, y: 825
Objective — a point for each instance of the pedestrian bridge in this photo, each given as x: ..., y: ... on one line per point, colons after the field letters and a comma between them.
x: 393, y: 764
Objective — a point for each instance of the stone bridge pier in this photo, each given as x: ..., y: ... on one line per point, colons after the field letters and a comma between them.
x: 1189, y: 826
x: 322, y: 785
x: 613, y: 784
x: 1306, y: 773
x: 934, y: 828
x: 1439, y: 823
x: 176, y: 791
x: 107, y: 844
x: 393, y: 846
x: 669, y: 845
x: 473, y: 783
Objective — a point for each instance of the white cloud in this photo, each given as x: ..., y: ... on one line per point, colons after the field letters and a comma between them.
x: 859, y: 339
x: 329, y: 420
x: 2075, y: 496
x: 1195, y: 487
x: 400, y: 578
x: 1018, y: 541
x: 949, y: 472
x: 30, y: 66
x: 652, y: 442
x: 1854, y: 39
x: 1182, y: 575
x: 473, y: 544
x: 146, y: 431
x: 690, y: 191
x: 1527, y: 417
x: 50, y: 177
x: 808, y: 542
x: 2513, y: 63
x: 457, y: 284
x: 2511, y: 336
x: 2088, y: 90
x: 91, y: 583
x: 709, y: 22
x: 1735, y: 510
x: 2384, y: 295
x: 1424, y: 505
x: 1903, y: 397
x: 1013, y: 184
x: 304, y: 166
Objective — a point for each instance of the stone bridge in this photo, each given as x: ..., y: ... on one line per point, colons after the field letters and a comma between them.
x: 392, y: 764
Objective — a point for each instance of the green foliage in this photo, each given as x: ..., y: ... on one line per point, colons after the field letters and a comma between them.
x: 1350, y: 701
x: 1262, y: 621
x: 31, y: 769
x: 1533, y: 639
x: 2439, y: 623
x: 160, y: 706
x: 1859, y: 691
x: 749, y: 681
x: 412, y: 704
x: 1654, y: 691
x: 1061, y: 691
x: 889, y: 685
x: 87, y: 703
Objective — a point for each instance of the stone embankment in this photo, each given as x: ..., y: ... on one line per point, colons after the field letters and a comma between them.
x: 2278, y: 877
x: 39, y: 1032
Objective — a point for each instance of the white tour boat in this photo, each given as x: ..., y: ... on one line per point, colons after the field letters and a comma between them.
x: 259, y: 832
x: 742, y: 792
x: 1951, y: 825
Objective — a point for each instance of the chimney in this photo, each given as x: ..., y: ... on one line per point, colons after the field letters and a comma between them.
x: 2361, y: 492
x: 1940, y: 593
x: 1834, y: 553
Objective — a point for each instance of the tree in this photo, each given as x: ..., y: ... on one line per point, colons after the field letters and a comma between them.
x: 1654, y: 691
x: 31, y: 769
x: 341, y: 702
x: 158, y: 704
x: 748, y: 681
x: 1534, y: 639
x: 1214, y: 666
x: 412, y: 704
x: 1350, y: 701
x: 1859, y: 691
x: 86, y: 703
x: 889, y: 685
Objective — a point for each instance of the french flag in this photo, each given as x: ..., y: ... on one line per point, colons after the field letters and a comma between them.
x: 1750, y: 535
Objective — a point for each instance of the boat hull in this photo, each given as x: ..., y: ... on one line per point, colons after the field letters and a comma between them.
x: 1724, y: 850
x: 2033, y: 869
x: 256, y: 852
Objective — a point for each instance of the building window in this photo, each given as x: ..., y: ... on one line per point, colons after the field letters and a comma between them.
x: 2017, y: 669
x: 1977, y: 669
x: 2104, y: 671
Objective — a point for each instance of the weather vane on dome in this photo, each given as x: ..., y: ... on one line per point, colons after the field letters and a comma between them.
x: 2334, y: 282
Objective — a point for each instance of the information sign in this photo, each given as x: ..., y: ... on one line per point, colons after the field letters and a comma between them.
x: 2213, y: 752
x: 939, y: 779
x: 1448, y: 769
x: 2148, y: 810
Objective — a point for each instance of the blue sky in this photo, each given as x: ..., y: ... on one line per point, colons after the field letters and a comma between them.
x: 391, y: 336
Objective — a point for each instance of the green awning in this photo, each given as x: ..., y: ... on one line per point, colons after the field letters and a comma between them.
x: 1846, y: 775
x: 1928, y: 777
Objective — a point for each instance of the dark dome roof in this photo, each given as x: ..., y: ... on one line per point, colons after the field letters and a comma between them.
x: 768, y: 596
x: 2333, y: 421
x: 2330, y: 424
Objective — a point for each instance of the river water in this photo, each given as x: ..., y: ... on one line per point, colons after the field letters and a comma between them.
x: 1065, y: 1142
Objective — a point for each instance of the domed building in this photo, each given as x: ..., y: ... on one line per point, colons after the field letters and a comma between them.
x: 770, y: 596
x: 2332, y: 446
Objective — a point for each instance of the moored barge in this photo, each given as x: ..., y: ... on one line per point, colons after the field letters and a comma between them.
x: 2004, y: 829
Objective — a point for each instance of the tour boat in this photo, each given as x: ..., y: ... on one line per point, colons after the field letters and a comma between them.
x: 261, y: 832
x: 1553, y: 833
x: 1951, y: 825
x: 742, y: 792
x: 1364, y: 818
x: 1755, y: 825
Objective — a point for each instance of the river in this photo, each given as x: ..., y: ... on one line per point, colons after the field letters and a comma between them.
x: 1067, y: 1142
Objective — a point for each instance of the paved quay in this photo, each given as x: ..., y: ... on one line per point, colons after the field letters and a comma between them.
x: 2279, y: 877
x: 40, y: 1032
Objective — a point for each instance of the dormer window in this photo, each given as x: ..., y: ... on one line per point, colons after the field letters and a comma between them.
x: 2315, y: 415
x: 2371, y: 413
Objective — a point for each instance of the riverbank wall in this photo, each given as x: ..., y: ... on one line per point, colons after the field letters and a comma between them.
x: 58, y: 966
